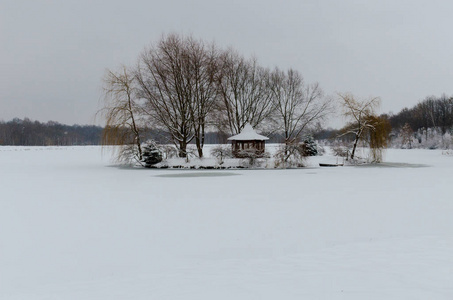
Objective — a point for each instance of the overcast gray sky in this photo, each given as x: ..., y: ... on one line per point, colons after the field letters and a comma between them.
x: 53, y: 54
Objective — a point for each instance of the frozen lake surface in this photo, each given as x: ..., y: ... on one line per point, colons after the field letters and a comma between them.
x: 74, y: 227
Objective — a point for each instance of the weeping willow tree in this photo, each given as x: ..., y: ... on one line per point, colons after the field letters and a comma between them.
x: 365, y: 126
x: 378, y: 136
x: 121, y: 111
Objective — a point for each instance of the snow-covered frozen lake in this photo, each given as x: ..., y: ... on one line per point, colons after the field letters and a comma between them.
x: 72, y: 226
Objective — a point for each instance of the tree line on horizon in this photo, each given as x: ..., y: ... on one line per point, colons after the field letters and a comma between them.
x: 432, y: 112
x: 428, y: 124
x: 25, y: 132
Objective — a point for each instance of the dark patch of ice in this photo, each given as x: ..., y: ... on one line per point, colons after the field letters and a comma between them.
x: 392, y: 165
x: 198, y: 174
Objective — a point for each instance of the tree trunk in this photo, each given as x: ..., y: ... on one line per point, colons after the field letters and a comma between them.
x: 182, y: 149
x: 355, y: 146
x: 199, y: 146
x: 287, y: 143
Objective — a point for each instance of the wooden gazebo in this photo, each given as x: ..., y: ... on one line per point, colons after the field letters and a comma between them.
x: 248, y: 141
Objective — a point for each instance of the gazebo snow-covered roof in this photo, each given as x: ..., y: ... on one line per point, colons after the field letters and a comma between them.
x: 247, y: 142
x: 248, y: 134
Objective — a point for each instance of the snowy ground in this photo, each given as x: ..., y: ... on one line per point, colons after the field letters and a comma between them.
x: 72, y: 226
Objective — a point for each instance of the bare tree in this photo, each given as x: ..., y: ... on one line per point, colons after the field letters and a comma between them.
x: 407, y: 135
x: 121, y: 111
x: 177, y: 78
x: 297, y: 105
x: 445, y: 112
x: 203, y: 72
x: 244, y: 94
x: 361, y: 113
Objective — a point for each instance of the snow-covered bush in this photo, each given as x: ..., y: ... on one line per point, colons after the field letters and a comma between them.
x: 339, y: 150
x: 290, y: 156
x: 447, y: 141
x: 447, y: 152
x: 309, y: 146
x: 252, y: 158
x: 431, y: 138
x: 169, y: 151
x: 221, y: 152
x: 407, y: 137
x: 152, y: 154
x: 321, y: 150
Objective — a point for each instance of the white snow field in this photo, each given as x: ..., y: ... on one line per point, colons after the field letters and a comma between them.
x: 73, y: 226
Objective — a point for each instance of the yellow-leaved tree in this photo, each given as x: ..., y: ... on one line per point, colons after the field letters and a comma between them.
x: 364, y: 125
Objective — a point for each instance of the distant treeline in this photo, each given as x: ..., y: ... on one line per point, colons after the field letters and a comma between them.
x: 33, y: 133
x: 26, y: 132
x: 432, y: 112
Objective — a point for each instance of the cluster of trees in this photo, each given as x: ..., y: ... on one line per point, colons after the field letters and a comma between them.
x: 429, y: 124
x: 187, y: 87
x: 25, y: 132
x: 432, y: 112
